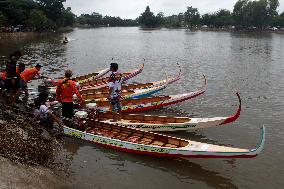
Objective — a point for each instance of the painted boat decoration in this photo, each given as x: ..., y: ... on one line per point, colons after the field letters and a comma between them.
x: 151, y: 103
x: 126, y: 94
x: 99, y: 83
x: 167, y: 123
x: 80, y: 79
x: 132, y: 86
x: 147, y: 143
x: 91, y: 77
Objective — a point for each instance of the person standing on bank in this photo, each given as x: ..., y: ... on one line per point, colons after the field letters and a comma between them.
x: 65, y: 90
x: 114, y: 85
x: 12, y: 79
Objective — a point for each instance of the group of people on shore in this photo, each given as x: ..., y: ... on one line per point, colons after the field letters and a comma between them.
x: 15, y: 77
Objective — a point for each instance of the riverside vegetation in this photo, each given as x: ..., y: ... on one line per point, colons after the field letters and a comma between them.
x: 42, y: 15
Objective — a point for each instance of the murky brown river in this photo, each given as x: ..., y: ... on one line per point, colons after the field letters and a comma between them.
x: 250, y: 63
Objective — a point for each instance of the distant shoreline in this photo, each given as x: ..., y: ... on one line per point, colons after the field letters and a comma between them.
x: 4, y: 35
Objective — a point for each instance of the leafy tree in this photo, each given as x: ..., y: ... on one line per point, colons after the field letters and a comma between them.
x: 148, y: 19
x: 209, y: 19
x: 192, y: 16
x: 38, y: 20
x: 160, y: 18
x: 3, y: 19
x: 255, y: 13
x: 68, y: 17
x: 280, y: 20
x: 223, y: 18
x: 172, y: 21
x: 53, y: 9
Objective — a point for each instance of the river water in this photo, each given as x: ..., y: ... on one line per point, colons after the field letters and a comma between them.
x: 250, y: 63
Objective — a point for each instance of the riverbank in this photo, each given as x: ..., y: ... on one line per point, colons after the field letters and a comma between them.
x: 18, y: 176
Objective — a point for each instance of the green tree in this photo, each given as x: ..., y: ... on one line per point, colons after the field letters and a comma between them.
x: 38, y: 20
x: 260, y: 13
x: 68, y: 17
x: 53, y: 9
x: 172, y: 21
x: 223, y: 18
x: 192, y: 16
x: 240, y: 13
x: 148, y: 19
x: 160, y: 18
x: 3, y: 19
x: 280, y: 20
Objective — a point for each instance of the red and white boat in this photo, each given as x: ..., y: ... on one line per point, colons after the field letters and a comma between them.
x: 147, y: 143
x: 151, y: 103
x: 168, y: 123
x: 99, y: 83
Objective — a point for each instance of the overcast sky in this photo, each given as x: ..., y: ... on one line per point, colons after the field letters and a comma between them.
x: 133, y: 8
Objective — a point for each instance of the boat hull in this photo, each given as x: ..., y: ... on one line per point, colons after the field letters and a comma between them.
x: 185, y: 152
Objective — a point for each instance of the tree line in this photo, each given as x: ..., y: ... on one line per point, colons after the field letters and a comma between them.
x: 36, y: 15
x: 41, y: 15
x: 96, y: 19
x: 246, y: 14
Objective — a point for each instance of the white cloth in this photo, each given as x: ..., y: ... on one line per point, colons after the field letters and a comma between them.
x: 115, y: 86
x: 42, y: 112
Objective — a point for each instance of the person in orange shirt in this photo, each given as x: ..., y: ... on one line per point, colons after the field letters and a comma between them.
x: 28, y: 75
x: 65, y: 90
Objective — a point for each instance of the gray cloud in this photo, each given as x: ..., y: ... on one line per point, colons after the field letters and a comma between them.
x: 133, y: 8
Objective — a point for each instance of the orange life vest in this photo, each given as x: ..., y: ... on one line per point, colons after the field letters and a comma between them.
x: 65, y: 90
x: 29, y: 74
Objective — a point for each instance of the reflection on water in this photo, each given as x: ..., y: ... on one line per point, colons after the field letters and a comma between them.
x: 122, y: 164
x: 246, y: 62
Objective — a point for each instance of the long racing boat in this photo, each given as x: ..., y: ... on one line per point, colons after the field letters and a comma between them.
x: 147, y: 143
x: 168, y: 123
x: 153, y: 102
x: 102, y: 82
x: 125, y: 94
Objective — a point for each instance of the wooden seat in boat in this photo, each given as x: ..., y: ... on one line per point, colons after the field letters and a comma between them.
x: 157, y: 143
x: 171, y: 146
x: 145, y: 141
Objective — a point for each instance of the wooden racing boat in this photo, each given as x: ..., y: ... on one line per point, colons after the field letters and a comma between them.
x: 102, y: 82
x: 126, y: 94
x: 167, y: 123
x: 148, y: 143
x: 132, y: 86
x: 91, y: 76
x: 150, y: 103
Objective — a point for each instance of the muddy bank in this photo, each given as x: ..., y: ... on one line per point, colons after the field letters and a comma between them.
x: 18, y: 176
x: 29, y: 156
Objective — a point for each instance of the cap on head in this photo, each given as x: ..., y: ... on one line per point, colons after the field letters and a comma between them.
x: 68, y: 73
x: 38, y: 66
x: 114, y: 66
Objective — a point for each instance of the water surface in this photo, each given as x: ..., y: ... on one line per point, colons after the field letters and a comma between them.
x: 250, y: 63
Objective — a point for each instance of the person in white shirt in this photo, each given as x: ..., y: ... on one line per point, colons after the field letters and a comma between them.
x: 43, y: 114
x: 114, y: 85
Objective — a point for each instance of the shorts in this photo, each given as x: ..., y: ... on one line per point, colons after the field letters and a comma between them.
x: 12, y: 84
x: 47, y: 122
x: 23, y: 84
x: 2, y: 84
x: 67, y: 110
x: 115, y: 105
